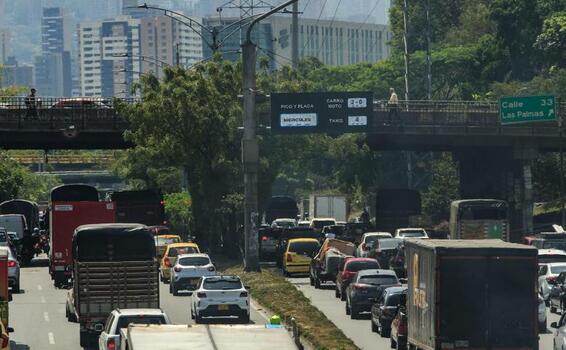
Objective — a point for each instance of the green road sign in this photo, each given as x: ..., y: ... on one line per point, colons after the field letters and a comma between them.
x: 527, y: 109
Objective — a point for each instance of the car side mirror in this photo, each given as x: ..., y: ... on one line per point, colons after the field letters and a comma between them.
x: 10, y: 330
x: 554, y: 325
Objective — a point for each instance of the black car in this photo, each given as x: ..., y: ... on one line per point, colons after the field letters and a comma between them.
x: 557, y: 295
x: 385, y: 309
x: 366, y: 287
x: 384, y: 249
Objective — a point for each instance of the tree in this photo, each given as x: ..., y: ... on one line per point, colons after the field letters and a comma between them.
x: 552, y: 40
x: 442, y: 190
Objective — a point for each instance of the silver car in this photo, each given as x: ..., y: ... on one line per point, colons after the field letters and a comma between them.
x: 13, y: 271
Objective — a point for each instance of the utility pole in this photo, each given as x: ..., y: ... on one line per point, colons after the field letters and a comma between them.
x: 428, y: 54
x: 250, y: 148
x: 406, y: 44
x: 295, y: 36
x: 561, y: 172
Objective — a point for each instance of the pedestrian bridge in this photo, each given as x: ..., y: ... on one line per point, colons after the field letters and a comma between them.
x: 89, y: 123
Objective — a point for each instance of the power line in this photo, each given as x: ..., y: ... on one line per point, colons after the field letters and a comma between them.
x: 330, y: 27
x: 315, y: 24
x: 273, y: 55
x: 306, y: 5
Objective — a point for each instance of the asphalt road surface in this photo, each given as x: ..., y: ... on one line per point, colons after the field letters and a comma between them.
x: 37, y: 314
x: 360, y: 330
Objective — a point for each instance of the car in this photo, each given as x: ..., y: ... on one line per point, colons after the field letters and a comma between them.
x: 415, y: 233
x: 162, y: 241
x: 397, y: 262
x: 367, y: 241
x: 559, y: 340
x: 298, y: 255
x: 188, y: 270
x: 268, y: 238
x: 546, y: 256
x: 109, y: 339
x: 333, y: 231
x: 547, y: 240
x: 399, y: 326
x: 547, y: 275
x: 290, y: 233
x: 384, y: 249
x: 159, y: 230
x: 348, y: 269
x: 318, y: 224
x: 13, y: 271
x: 385, y: 309
x: 557, y: 295
x: 283, y: 223
x: 365, y: 287
x: 304, y: 223
x: 170, y: 257
x: 541, y: 314
x: 80, y: 103
x: 6, y: 240
x: 220, y: 296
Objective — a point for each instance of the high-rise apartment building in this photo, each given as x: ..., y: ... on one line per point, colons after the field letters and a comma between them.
x: 56, y: 30
x: 109, y: 56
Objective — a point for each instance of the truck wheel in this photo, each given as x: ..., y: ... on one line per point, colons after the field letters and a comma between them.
x: 198, y: 319
x: 393, y: 344
x: 348, y: 311
x: 174, y: 290
x: 354, y: 314
x: 245, y: 319
x: 85, y: 339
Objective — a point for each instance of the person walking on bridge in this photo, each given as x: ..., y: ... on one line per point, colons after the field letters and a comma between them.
x: 31, y: 104
x: 393, y: 105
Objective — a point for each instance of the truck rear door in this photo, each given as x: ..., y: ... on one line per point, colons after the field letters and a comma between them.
x: 512, y: 302
x: 461, y: 318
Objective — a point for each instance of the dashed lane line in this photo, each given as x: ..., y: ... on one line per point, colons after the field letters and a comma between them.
x: 51, y: 338
x: 46, y: 316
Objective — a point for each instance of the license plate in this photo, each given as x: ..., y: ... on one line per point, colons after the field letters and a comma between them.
x: 223, y: 308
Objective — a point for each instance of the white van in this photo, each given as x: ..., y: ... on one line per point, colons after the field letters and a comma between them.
x: 14, y: 223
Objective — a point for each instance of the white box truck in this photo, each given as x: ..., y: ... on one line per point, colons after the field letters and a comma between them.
x: 328, y: 206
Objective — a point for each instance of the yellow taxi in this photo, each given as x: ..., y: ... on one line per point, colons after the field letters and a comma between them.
x: 298, y: 255
x: 162, y: 241
x: 170, y: 257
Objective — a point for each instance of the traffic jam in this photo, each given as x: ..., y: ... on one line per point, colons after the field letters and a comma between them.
x: 410, y: 283
x: 110, y: 255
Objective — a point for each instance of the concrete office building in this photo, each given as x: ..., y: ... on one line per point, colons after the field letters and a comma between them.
x: 109, y: 56
x: 164, y: 41
x: 4, y: 45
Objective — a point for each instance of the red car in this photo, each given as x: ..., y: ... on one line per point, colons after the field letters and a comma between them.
x: 348, y: 270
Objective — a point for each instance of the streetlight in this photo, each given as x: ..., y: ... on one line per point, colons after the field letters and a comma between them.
x: 250, y: 148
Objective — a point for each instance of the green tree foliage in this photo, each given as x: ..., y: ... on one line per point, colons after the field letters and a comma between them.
x: 178, y: 211
x: 552, y: 40
x: 442, y: 190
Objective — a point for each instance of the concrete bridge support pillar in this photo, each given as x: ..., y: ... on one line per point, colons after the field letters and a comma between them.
x: 500, y: 173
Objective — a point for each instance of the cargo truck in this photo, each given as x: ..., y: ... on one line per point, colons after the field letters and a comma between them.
x: 479, y: 218
x: 471, y: 294
x: 328, y: 206
x: 114, y: 266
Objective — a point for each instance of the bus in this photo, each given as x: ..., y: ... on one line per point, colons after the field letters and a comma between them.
x: 479, y: 219
x: 139, y: 207
x: 71, y: 206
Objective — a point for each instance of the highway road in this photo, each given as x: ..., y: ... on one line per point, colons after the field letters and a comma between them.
x: 37, y: 314
x: 360, y: 330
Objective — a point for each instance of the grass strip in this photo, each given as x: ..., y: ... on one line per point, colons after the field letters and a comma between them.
x: 281, y: 297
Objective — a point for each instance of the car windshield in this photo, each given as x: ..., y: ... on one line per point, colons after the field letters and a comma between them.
x: 222, y: 283
x: 304, y: 248
x: 285, y: 223
x: 194, y: 261
x: 166, y: 240
x: 550, y: 258
x: 319, y: 224
x: 389, y: 243
x: 393, y: 300
x: 554, y: 244
x: 124, y: 321
x: 378, y: 279
x: 410, y: 234
x: 556, y: 269
x: 356, y: 266
x: 173, y: 252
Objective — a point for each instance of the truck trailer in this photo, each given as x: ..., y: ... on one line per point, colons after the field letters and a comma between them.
x: 471, y: 294
x: 328, y: 206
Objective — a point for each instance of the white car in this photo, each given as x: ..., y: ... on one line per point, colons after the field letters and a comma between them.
x: 220, y: 296
x: 109, y: 339
x: 13, y: 271
x: 366, y: 242
x: 188, y: 270
x: 284, y: 223
x: 547, y: 275
x: 418, y: 233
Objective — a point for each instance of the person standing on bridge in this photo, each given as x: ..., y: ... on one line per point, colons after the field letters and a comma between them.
x: 31, y: 104
x: 393, y: 105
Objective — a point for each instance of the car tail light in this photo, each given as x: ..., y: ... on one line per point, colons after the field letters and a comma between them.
x: 201, y: 295
x: 177, y: 269
x: 11, y: 263
x: 167, y: 262
x: 211, y: 268
x: 360, y: 286
x: 111, y: 344
x: 289, y: 258
x: 551, y: 279
x: 264, y: 238
x: 244, y: 295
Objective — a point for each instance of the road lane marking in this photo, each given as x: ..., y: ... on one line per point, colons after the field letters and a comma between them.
x: 51, y: 338
x: 39, y: 287
x: 43, y: 299
x: 46, y: 316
